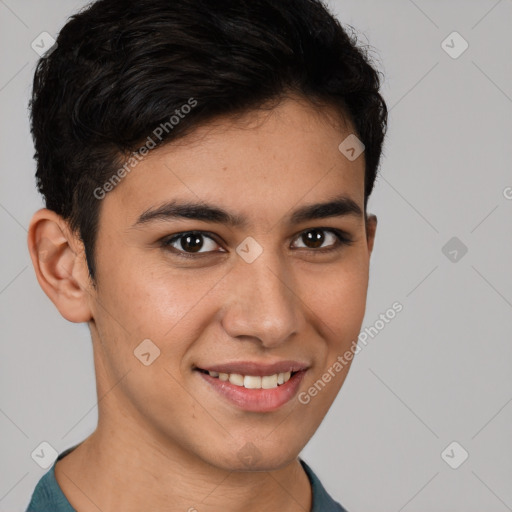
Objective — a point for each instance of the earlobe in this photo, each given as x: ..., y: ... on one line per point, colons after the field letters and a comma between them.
x: 371, y: 228
x: 59, y: 264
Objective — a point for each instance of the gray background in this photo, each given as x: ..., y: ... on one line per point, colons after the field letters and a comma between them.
x: 441, y: 371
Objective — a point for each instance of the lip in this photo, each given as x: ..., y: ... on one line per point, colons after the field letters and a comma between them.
x: 255, y: 400
x: 255, y: 368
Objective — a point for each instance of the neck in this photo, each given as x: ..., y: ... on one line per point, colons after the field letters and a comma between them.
x: 126, y: 469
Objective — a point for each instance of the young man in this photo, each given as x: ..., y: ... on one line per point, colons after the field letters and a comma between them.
x: 206, y: 169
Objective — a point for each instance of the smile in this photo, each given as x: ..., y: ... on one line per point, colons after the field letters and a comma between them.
x: 266, y: 392
x: 252, y: 381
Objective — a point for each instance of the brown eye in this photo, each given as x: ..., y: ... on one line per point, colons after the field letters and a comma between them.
x: 191, y: 243
x: 196, y: 243
x: 315, y: 239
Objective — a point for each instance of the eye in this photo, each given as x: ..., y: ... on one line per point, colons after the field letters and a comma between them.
x: 191, y: 242
x: 315, y: 238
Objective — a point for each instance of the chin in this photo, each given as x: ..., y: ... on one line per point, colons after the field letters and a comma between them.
x: 256, y: 456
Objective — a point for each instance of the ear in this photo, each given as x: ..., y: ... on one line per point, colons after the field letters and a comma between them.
x: 58, y: 257
x: 371, y: 228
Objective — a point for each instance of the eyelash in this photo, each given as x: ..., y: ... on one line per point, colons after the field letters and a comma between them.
x: 342, y: 239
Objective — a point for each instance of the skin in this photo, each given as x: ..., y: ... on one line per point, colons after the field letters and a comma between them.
x: 165, y: 439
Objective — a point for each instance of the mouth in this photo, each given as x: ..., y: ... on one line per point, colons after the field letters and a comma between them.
x: 254, y: 387
x: 252, y: 381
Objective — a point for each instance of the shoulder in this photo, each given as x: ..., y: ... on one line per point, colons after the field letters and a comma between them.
x: 48, y: 495
x: 322, y: 501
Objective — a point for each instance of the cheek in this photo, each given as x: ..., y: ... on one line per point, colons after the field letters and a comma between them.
x: 153, y: 301
x: 339, y: 300
x: 339, y: 304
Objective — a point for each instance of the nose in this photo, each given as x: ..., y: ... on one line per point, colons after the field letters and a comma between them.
x: 261, y: 301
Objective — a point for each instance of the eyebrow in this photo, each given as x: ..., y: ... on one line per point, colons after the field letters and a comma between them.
x: 339, y: 206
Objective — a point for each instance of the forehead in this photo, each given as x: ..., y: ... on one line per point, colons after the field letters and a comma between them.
x: 260, y: 165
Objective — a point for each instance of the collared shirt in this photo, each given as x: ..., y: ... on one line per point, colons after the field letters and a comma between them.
x: 48, y: 496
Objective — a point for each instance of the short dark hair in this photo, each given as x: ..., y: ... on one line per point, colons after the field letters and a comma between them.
x: 122, y: 67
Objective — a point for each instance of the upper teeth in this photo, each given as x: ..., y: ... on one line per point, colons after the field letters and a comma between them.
x: 252, y: 381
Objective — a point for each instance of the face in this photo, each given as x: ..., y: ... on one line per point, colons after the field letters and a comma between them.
x: 264, y: 285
